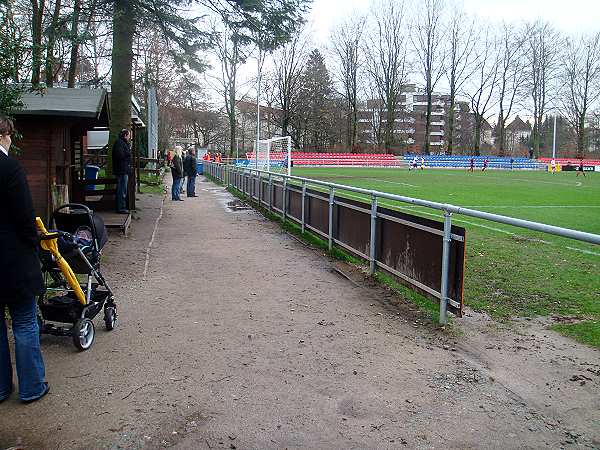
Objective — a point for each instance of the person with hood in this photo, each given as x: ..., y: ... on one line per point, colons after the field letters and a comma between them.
x: 21, y: 278
x: 177, y: 174
x: 121, y: 159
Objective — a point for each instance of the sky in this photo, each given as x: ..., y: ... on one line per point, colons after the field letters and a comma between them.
x: 569, y: 16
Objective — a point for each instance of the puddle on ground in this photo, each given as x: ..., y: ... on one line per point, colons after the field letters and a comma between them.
x: 237, y: 205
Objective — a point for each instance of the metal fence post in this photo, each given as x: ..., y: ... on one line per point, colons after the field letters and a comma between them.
x: 270, y: 193
x: 331, y: 198
x: 373, y: 240
x: 447, y: 238
x: 259, y: 181
x: 303, y: 202
x: 284, y: 201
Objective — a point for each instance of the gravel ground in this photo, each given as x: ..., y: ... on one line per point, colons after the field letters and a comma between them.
x: 240, y: 336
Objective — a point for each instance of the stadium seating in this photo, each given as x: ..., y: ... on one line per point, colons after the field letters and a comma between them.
x: 464, y: 161
x: 338, y: 159
x: 318, y: 159
x: 570, y: 161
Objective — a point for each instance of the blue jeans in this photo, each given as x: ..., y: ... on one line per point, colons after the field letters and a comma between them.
x: 28, y: 356
x: 176, y: 189
x: 122, y: 192
x: 191, y: 186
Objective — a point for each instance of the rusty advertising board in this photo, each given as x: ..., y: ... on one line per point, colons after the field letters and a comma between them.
x: 407, y: 246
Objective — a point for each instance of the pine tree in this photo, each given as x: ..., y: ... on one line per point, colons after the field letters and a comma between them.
x: 315, y: 101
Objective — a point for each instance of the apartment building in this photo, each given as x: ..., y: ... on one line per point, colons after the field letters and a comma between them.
x: 410, y: 120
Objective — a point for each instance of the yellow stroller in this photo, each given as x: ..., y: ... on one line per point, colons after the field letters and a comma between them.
x: 74, y: 250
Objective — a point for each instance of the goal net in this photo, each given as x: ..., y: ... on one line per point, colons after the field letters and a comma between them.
x: 274, y: 155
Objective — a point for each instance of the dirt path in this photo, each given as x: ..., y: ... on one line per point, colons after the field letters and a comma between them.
x: 242, y: 337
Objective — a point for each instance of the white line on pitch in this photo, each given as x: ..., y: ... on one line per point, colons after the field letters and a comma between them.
x: 373, y: 179
x: 394, y: 182
x: 487, y: 227
x: 525, y: 180
x: 587, y: 252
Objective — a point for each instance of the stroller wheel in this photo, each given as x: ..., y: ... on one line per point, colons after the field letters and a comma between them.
x: 83, y: 334
x: 110, y: 317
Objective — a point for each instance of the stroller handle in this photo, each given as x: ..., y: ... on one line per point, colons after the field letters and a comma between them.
x: 49, y: 236
x: 73, y: 205
x: 55, y: 234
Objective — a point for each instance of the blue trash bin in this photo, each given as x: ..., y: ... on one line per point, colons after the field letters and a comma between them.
x: 91, y: 173
x: 200, y: 168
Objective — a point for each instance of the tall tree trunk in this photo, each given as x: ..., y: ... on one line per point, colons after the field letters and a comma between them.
x: 49, y: 69
x: 36, y: 37
x: 74, y: 43
x: 581, y: 136
x: 426, y: 146
x: 477, y: 143
x: 232, y: 121
x: 121, y: 84
x: 451, y: 124
x: 389, y: 130
x: 501, y: 133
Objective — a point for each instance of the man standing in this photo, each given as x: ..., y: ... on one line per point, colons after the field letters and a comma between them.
x: 189, y: 168
x: 580, y: 169
x: 177, y: 174
x: 21, y: 278
x: 121, y: 158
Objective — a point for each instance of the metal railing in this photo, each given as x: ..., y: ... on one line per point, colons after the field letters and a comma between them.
x: 226, y: 173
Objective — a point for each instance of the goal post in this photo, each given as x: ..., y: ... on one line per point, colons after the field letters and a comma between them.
x: 274, y: 155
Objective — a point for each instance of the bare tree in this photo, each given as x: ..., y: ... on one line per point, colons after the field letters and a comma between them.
x: 462, y: 38
x: 427, y: 42
x: 581, y: 83
x: 387, y: 66
x: 346, y: 43
x: 228, y: 50
x: 511, y: 79
x: 543, y: 54
x: 289, y: 61
x: 483, y: 83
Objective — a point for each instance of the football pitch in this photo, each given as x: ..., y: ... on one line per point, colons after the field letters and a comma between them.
x: 511, y: 272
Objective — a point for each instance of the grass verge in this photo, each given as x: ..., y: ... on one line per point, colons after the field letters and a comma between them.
x: 586, y: 332
x: 510, y: 272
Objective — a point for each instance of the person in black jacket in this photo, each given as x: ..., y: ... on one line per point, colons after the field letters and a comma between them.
x: 21, y: 278
x: 190, y: 170
x: 121, y: 159
x: 177, y: 174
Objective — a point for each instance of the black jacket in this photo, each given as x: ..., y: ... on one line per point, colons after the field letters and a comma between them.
x: 189, y: 166
x: 121, y: 157
x: 19, y: 264
x: 177, y: 167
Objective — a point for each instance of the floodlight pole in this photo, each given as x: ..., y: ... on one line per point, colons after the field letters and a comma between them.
x: 554, y: 139
x: 258, y: 106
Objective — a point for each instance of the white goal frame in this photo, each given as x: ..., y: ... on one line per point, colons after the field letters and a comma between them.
x: 266, y: 161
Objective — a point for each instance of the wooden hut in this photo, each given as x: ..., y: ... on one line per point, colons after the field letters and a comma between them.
x: 53, y: 126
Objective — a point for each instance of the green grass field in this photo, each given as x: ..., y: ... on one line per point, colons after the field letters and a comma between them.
x: 511, y: 272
